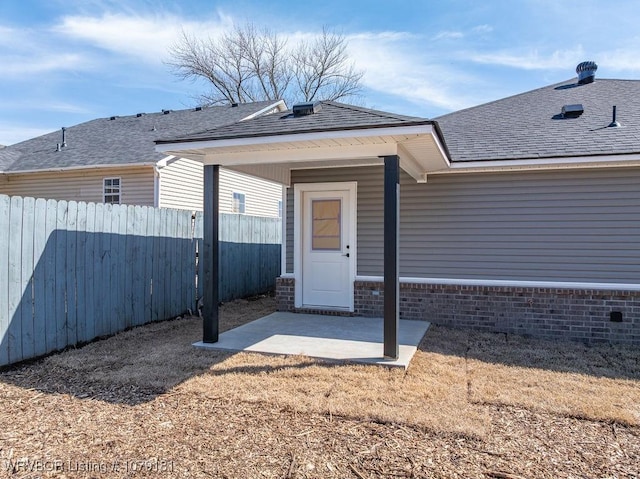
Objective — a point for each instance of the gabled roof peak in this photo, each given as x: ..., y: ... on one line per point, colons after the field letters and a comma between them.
x: 328, y: 116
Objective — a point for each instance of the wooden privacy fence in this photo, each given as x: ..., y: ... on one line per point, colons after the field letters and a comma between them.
x: 249, y: 254
x: 72, y: 271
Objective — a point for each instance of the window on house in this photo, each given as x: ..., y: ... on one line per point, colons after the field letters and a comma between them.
x: 280, y: 209
x: 111, y: 190
x: 326, y: 226
x: 238, y: 205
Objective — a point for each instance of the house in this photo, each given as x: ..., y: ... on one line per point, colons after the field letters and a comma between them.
x: 113, y: 160
x: 521, y: 215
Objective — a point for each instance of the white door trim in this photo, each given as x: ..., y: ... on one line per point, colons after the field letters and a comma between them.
x: 298, y: 190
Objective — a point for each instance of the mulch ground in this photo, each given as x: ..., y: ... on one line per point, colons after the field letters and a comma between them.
x: 146, y: 404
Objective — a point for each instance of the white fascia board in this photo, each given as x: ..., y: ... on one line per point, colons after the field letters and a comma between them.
x: 510, y: 283
x: 85, y: 167
x: 295, y: 155
x: 165, y: 161
x: 442, y: 151
x: 280, y: 105
x: 409, y: 164
x: 296, y: 137
x: 543, y: 163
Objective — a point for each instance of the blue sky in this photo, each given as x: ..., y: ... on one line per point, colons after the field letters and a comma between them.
x: 65, y: 62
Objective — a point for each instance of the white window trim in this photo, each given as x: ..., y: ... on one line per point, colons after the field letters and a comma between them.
x: 283, y: 226
x: 104, y: 194
x: 298, y: 190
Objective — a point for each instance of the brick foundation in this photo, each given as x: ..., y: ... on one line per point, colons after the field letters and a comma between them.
x: 285, y: 294
x: 551, y: 313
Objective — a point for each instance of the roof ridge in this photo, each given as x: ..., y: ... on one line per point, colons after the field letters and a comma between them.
x: 184, y: 110
x: 528, y: 92
x: 499, y: 100
x: 379, y: 113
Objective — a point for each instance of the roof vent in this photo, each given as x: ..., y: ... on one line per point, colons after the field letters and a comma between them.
x: 138, y: 115
x: 64, y: 137
x: 586, y: 72
x: 198, y: 108
x: 166, y: 112
x: 614, y: 122
x: 233, y: 105
x: 308, y: 108
x: 572, y: 111
x: 113, y: 118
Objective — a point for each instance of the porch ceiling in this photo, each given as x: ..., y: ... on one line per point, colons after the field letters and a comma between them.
x: 273, y: 157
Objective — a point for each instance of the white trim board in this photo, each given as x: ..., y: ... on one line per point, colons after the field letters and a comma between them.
x: 510, y: 283
x: 83, y: 167
x: 280, y: 105
x: 555, y: 163
x: 283, y: 240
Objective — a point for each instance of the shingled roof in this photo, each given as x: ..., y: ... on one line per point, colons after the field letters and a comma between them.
x: 331, y: 116
x: 124, y: 140
x: 530, y: 125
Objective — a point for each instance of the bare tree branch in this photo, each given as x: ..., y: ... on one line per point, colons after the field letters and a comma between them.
x: 251, y: 64
x: 323, y: 70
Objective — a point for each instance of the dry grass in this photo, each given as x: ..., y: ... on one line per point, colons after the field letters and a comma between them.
x: 470, y: 405
x: 598, y: 382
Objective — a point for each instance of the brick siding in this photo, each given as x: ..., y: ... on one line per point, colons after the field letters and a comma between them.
x: 551, y: 313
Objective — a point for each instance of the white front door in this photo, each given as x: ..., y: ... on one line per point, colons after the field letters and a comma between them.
x: 328, y: 252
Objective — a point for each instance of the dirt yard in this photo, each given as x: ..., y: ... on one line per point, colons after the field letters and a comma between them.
x: 146, y: 404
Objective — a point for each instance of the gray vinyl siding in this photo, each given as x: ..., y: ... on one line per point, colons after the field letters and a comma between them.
x: 369, y: 201
x: 569, y: 225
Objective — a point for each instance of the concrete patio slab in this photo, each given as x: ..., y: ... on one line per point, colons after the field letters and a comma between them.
x: 335, y: 338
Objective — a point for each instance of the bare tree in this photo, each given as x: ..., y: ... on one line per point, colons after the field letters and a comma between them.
x: 251, y: 64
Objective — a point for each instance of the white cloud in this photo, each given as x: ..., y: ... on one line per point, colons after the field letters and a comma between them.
x: 10, y: 134
x: 621, y: 60
x: 405, y: 70
x: 458, y: 34
x: 42, y: 63
x: 44, y: 104
x: 531, y: 59
x: 383, y: 36
x: 482, y: 29
x: 448, y: 35
x: 146, y: 38
x: 25, y: 51
x: 6, y: 34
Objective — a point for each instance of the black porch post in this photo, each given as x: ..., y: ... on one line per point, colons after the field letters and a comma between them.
x: 210, y: 252
x: 391, y: 255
